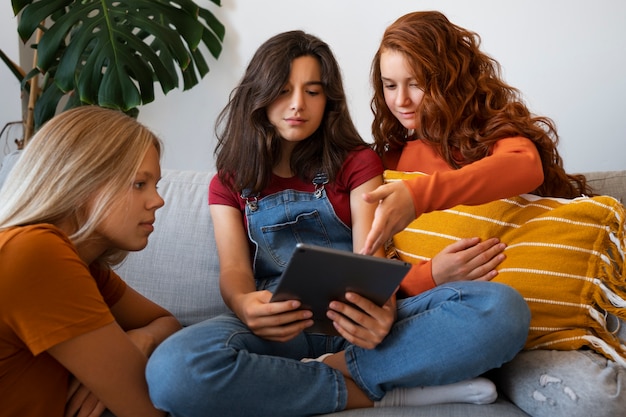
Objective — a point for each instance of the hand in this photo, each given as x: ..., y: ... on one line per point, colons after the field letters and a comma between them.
x: 81, y: 402
x: 278, y: 321
x: 394, y: 212
x: 366, y: 327
x: 467, y: 260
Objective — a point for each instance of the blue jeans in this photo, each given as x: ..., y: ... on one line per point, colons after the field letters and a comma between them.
x: 450, y: 333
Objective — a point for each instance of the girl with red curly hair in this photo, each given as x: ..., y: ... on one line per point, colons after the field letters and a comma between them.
x: 442, y: 108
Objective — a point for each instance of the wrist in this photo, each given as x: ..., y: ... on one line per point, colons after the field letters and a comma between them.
x: 143, y: 340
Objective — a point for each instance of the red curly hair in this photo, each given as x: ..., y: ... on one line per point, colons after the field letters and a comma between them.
x: 467, y: 106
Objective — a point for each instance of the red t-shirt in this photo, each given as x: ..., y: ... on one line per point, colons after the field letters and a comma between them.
x: 48, y: 295
x: 359, y: 167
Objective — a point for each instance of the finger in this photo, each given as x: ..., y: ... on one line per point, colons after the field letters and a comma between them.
x: 484, y: 254
x: 75, y: 402
x: 380, y: 193
x: 283, y: 333
x: 355, y: 334
x: 370, y: 317
x: 73, y: 386
x: 89, y: 407
x: 488, y: 276
x: 488, y: 271
x: 363, y: 303
x: 461, y: 245
x: 392, y: 301
x: 71, y: 408
x: 492, y: 245
x: 280, y: 320
x: 97, y: 410
x: 346, y: 315
x: 352, y: 331
x: 279, y: 307
x: 372, y: 241
x: 494, y: 252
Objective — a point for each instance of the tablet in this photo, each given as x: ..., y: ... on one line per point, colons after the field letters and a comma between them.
x: 317, y: 275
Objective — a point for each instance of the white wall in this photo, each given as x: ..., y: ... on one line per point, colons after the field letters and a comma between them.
x: 10, y: 103
x: 566, y: 56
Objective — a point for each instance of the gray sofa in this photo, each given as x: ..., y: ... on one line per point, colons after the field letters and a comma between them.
x: 179, y: 270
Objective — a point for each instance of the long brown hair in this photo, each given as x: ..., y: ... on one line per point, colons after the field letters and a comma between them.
x: 249, y: 146
x: 467, y: 106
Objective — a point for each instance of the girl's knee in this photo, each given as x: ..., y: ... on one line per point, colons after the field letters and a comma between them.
x: 164, y: 373
x: 509, y: 304
x: 179, y: 375
x: 161, y: 385
x: 506, y: 317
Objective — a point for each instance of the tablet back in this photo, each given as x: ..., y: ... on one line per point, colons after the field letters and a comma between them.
x: 317, y: 275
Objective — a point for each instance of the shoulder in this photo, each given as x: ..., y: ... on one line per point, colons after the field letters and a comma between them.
x: 39, y: 238
x: 221, y: 193
x: 217, y: 184
x: 39, y: 262
x: 41, y: 255
x: 360, y: 166
x: 363, y: 158
x: 36, y: 252
x: 45, y: 258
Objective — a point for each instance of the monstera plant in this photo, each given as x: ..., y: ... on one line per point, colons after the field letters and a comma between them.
x: 110, y: 53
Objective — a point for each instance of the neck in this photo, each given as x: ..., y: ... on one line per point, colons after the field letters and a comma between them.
x: 88, y: 251
x: 283, y: 170
x: 283, y: 167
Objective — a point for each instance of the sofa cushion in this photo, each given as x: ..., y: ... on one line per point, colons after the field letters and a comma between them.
x: 564, y: 256
x: 179, y: 269
x: 501, y: 408
x: 6, y: 165
x: 576, y: 383
x: 608, y: 183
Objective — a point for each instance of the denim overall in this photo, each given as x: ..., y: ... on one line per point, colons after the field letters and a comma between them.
x: 276, y: 223
x: 219, y: 367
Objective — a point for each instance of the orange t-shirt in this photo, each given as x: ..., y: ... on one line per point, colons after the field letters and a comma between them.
x: 513, y: 167
x: 47, y: 295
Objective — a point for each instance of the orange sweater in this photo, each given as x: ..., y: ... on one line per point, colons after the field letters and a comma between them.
x: 513, y: 167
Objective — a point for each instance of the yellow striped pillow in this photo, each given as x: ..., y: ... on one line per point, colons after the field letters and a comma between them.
x: 565, y: 257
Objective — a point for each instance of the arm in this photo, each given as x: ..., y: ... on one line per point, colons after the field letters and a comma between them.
x: 146, y: 325
x: 362, y: 214
x: 466, y: 260
x: 107, y: 362
x: 279, y: 321
x: 366, y: 328
x: 513, y: 168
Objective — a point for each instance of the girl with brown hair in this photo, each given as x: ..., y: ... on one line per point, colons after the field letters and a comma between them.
x: 293, y: 169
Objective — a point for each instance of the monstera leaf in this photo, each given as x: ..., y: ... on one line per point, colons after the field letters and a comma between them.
x: 112, y: 52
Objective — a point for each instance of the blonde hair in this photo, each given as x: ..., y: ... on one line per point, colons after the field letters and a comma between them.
x: 84, y: 155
